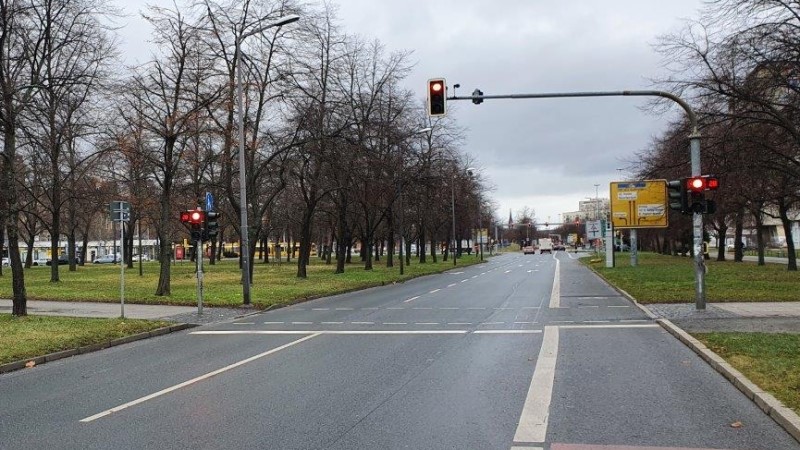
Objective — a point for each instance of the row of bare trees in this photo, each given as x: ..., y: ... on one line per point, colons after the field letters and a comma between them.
x: 336, y: 150
x: 739, y: 65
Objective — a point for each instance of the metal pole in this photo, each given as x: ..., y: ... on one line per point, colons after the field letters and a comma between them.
x: 400, y: 205
x: 694, y: 141
x: 121, y: 268
x: 199, y: 247
x: 453, y: 209
x: 697, y: 225
x: 633, y: 249
x: 480, y: 234
x: 243, y: 229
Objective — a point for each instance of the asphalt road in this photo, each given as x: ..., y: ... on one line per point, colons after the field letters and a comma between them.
x: 524, y: 352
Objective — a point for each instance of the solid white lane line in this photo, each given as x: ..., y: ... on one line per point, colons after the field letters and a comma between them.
x: 615, y: 306
x: 601, y: 326
x: 533, y: 420
x: 274, y: 323
x: 507, y: 331
x: 195, y: 380
x: 411, y: 299
x: 244, y: 323
x: 555, y: 294
x: 588, y: 306
x: 320, y: 309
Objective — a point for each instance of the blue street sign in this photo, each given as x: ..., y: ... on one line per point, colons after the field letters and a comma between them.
x: 209, y: 201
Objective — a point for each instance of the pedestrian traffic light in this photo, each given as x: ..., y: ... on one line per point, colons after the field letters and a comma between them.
x: 437, y: 92
x: 678, y: 198
x: 211, y: 225
x: 194, y: 217
x: 696, y: 187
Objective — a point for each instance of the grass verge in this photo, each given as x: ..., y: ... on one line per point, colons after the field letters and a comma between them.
x: 273, y: 283
x: 32, y: 336
x: 768, y: 360
x: 670, y: 279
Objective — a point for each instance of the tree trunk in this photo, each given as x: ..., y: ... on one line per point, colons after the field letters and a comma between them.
x: 738, y: 245
x: 165, y: 238
x: 721, y: 246
x: 9, y: 187
x: 787, y: 230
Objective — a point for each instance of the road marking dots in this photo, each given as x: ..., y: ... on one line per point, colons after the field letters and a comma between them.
x: 411, y: 299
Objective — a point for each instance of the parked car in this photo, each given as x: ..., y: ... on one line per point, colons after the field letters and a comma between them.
x: 106, y: 259
x: 622, y: 248
x: 144, y: 258
x: 62, y: 259
x: 39, y: 262
x: 6, y: 261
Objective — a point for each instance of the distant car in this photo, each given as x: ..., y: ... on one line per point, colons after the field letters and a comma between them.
x: 62, y: 260
x: 106, y: 259
x: 622, y: 248
x: 558, y: 247
x: 6, y: 261
x: 39, y: 262
x: 144, y: 258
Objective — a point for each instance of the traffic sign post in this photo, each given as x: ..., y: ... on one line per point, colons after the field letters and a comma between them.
x: 121, y: 212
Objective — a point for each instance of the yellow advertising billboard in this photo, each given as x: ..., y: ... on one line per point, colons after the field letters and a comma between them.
x: 639, y: 204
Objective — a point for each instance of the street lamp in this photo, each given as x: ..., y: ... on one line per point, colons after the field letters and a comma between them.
x: 245, y: 247
x: 471, y: 173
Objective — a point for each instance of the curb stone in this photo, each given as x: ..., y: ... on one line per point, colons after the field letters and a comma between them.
x: 21, y: 364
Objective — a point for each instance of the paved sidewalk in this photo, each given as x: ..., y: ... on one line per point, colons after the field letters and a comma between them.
x: 767, y: 317
x: 178, y: 314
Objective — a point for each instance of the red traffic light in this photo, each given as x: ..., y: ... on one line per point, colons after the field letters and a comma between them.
x: 436, y: 97
x: 702, y: 183
x: 193, y: 216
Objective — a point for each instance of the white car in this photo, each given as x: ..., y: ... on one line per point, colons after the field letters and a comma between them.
x: 39, y: 262
x: 106, y: 259
x: 144, y: 258
x: 6, y: 261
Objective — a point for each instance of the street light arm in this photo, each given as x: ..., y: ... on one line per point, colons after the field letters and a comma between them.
x: 278, y: 23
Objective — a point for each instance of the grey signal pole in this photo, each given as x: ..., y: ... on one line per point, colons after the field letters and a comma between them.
x: 694, y: 145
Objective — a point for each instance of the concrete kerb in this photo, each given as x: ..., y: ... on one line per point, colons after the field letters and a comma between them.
x: 21, y: 364
x: 783, y: 416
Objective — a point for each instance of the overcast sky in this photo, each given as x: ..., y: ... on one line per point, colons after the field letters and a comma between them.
x: 544, y: 154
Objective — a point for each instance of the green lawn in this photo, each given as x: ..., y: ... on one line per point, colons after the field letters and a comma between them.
x: 31, y: 336
x: 670, y: 279
x: 769, y: 360
x: 273, y: 283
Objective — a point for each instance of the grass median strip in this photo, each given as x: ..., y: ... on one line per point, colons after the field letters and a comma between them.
x: 768, y: 360
x: 273, y: 283
x: 670, y: 279
x: 31, y: 336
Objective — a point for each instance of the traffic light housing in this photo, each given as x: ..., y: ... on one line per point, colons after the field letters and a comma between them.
x: 677, y: 196
x: 195, y: 218
x: 696, y: 188
x: 437, y: 93
x: 211, y: 225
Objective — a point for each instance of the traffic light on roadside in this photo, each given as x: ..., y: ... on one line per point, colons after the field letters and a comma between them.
x: 195, y: 218
x: 677, y: 196
x: 211, y: 225
x: 437, y: 92
x: 697, y: 187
